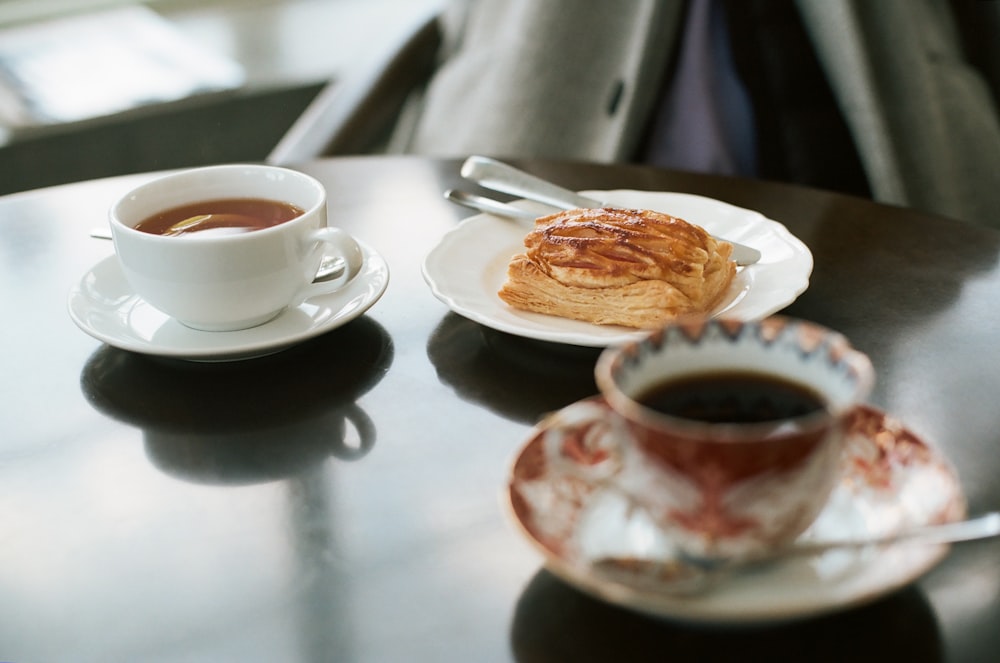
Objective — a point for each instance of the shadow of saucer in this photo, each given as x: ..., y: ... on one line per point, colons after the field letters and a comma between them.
x: 250, y: 421
x: 555, y: 622
x: 519, y: 378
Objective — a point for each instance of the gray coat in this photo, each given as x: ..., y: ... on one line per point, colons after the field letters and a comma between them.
x: 580, y: 79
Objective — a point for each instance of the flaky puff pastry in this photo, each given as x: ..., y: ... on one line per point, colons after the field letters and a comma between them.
x: 611, y: 266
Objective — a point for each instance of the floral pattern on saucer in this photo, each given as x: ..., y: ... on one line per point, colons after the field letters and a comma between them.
x: 891, y: 479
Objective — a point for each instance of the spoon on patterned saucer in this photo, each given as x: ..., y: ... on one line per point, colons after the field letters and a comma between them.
x: 692, y: 575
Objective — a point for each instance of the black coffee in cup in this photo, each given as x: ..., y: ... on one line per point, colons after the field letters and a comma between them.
x: 732, y: 398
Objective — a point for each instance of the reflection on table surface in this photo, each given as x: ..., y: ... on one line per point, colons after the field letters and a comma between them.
x: 341, y: 500
x: 901, y: 626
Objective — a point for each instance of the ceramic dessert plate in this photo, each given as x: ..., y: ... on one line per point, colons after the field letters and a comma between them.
x: 891, y: 480
x: 469, y: 264
x: 103, y: 305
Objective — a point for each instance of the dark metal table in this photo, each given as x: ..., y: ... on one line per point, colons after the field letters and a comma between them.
x: 341, y: 501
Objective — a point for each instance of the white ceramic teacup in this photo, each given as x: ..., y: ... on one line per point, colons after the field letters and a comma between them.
x: 230, y: 282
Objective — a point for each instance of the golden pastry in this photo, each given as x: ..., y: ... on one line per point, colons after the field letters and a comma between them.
x: 612, y: 266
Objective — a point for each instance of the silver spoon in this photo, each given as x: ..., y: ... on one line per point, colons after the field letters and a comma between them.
x: 743, y: 255
x: 330, y: 267
x: 689, y: 575
x: 499, y: 176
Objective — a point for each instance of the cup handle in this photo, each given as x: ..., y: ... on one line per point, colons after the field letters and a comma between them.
x: 587, y: 443
x: 343, y: 245
x: 365, y: 429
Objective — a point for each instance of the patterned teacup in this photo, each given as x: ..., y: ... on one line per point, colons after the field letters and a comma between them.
x: 733, y: 431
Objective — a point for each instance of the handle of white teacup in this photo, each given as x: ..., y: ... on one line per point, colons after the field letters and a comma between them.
x: 327, y: 241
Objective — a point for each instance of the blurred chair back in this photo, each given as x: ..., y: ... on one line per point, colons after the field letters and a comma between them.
x: 355, y: 113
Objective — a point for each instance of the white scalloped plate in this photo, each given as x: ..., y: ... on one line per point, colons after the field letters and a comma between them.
x: 468, y: 266
x: 892, y: 480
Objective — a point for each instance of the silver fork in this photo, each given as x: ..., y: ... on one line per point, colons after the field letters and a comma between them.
x: 498, y: 176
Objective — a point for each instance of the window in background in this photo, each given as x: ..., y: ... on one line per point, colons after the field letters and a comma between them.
x: 22, y: 11
x: 93, y: 64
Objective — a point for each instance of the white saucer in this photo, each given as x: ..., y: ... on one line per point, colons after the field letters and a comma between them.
x: 103, y: 305
x: 469, y: 264
x: 892, y: 480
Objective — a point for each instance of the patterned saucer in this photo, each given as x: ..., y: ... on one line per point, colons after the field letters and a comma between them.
x: 892, y: 479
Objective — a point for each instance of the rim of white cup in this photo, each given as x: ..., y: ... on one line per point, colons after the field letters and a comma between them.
x: 189, y: 173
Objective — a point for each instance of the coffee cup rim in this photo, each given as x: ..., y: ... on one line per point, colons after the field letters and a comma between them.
x: 628, y: 407
x: 722, y: 432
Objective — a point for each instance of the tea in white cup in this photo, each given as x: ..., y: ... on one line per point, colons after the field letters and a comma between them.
x: 228, y: 247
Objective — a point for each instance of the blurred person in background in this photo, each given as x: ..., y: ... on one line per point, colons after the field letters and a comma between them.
x: 892, y: 99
